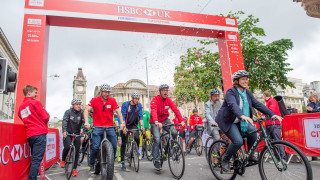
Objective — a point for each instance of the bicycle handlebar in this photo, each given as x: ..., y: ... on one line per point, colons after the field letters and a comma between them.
x: 74, y: 135
x: 105, y: 127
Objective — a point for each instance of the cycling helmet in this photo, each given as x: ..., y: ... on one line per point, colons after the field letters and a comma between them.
x: 105, y: 87
x: 214, y: 91
x: 75, y: 101
x: 163, y: 86
x: 239, y: 74
x: 194, y: 110
x: 135, y: 94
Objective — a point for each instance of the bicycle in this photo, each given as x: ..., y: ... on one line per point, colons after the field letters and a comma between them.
x: 147, y: 147
x: 132, y: 151
x: 86, y: 150
x: 277, y: 168
x: 170, y: 149
x: 71, y: 156
x: 211, y: 139
x: 198, y: 138
x: 105, y: 158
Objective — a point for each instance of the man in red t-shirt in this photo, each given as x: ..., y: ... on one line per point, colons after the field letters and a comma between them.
x: 273, y: 127
x: 103, y: 107
x: 36, y: 119
x: 195, y: 120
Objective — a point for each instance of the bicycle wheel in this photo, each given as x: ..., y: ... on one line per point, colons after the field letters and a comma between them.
x: 128, y: 153
x: 216, y: 153
x: 206, y: 148
x: 199, y: 145
x: 82, y: 153
x: 148, y: 150
x: 135, y: 156
x: 288, y: 167
x: 88, y: 154
x: 107, y: 161
x: 69, y: 162
x: 176, y: 160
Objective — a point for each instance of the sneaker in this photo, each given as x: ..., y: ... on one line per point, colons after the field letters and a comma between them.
x: 148, y: 153
x: 140, y: 157
x: 226, y: 166
x: 91, y: 168
x: 74, y: 173
x: 123, y: 166
x: 157, y: 165
x: 62, y: 164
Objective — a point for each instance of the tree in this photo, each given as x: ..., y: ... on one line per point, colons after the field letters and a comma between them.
x: 200, y: 71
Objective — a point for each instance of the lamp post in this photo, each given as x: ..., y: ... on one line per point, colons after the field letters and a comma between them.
x: 148, y: 102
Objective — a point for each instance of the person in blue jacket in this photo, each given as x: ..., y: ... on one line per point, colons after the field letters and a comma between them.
x: 131, y: 112
x: 234, y: 117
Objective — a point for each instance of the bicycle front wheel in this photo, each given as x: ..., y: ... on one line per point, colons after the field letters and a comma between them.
x: 284, y: 161
x: 107, y: 161
x: 176, y: 160
x: 199, y: 145
x: 69, y: 162
x: 135, y: 156
x: 148, y: 149
x: 206, y: 148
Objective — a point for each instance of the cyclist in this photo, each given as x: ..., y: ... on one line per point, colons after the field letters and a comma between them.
x: 234, y: 117
x: 210, y: 111
x: 159, y: 114
x: 71, y: 124
x: 147, y: 133
x: 132, y: 111
x: 195, y: 120
x: 103, y: 107
x: 182, y: 132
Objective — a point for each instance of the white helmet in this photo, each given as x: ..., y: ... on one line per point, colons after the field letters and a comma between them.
x: 163, y: 86
x: 135, y: 94
x: 105, y: 87
x: 75, y: 101
x: 214, y: 91
x: 239, y: 74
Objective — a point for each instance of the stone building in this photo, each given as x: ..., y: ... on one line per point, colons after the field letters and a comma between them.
x: 122, y: 92
x: 7, y: 102
x: 80, y: 87
x: 312, y: 88
x: 312, y: 7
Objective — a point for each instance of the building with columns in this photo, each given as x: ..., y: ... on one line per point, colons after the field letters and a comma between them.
x: 80, y: 87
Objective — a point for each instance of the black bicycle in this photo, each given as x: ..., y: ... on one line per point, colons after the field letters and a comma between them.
x: 132, y: 151
x: 197, y: 143
x: 105, y: 158
x: 170, y: 149
x: 86, y: 150
x: 71, y: 156
x: 272, y: 165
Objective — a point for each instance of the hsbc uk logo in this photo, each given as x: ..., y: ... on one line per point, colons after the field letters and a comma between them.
x: 14, y: 153
x: 143, y: 12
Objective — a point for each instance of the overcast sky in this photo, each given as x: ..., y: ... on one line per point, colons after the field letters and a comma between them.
x: 115, y: 57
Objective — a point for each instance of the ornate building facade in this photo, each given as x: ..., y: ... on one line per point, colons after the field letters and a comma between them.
x: 7, y: 102
x: 312, y: 7
x: 80, y: 87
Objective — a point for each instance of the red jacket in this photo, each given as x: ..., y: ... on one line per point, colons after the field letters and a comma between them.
x: 179, y: 128
x: 272, y: 104
x: 34, y: 116
x: 194, y: 121
x: 160, y: 109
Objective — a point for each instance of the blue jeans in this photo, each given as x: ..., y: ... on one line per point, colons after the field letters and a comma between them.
x: 156, y: 136
x: 236, y: 140
x: 97, y: 136
x: 38, y: 147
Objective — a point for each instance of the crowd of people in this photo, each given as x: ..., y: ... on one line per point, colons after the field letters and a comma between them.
x: 231, y: 116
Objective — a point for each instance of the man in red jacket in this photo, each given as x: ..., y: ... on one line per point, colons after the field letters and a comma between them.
x: 273, y: 127
x: 159, y: 114
x: 35, y: 118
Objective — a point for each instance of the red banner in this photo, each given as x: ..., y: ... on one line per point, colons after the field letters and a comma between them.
x: 15, y: 153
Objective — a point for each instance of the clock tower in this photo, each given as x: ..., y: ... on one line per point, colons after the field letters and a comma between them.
x: 80, y: 87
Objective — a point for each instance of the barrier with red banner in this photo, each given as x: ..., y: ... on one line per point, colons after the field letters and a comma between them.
x: 15, y: 153
x: 303, y: 130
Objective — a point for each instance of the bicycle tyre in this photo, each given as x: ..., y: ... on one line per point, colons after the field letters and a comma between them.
x: 199, y: 152
x: 88, y: 154
x: 107, y: 161
x: 82, y: 154
x: 295, y: 169
x: 70, y: 161
x: 135, y: 156
x: 206, y: 148
x: 128, y: 153
x: 148, y: 149
x: 97, y: 165
x: 175, y: 154
x: 217, y: 154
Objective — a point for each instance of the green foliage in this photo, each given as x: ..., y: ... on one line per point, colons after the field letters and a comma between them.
x: 200, y: 71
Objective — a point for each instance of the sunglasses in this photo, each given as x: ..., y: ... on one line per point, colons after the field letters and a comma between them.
x: 103, y: 107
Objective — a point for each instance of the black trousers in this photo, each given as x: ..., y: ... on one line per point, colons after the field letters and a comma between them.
x: 66, y: 143
x: 274, y: 132
x: 38, y: 147
x: 124, y: 138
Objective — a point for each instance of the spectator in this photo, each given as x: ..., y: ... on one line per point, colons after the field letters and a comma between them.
x: 36, y: 119
x: 211, y: 110
x: 314, y: 105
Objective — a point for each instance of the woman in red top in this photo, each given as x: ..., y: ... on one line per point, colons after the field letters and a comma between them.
x: 194, y: 120
x: 182, y: 132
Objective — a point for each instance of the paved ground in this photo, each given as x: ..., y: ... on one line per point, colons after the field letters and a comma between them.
x: 196, y: 168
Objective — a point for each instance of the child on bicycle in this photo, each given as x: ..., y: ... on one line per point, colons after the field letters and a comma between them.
x: 71, y: 124
x: 195, y: 120
x: 182, y: 132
